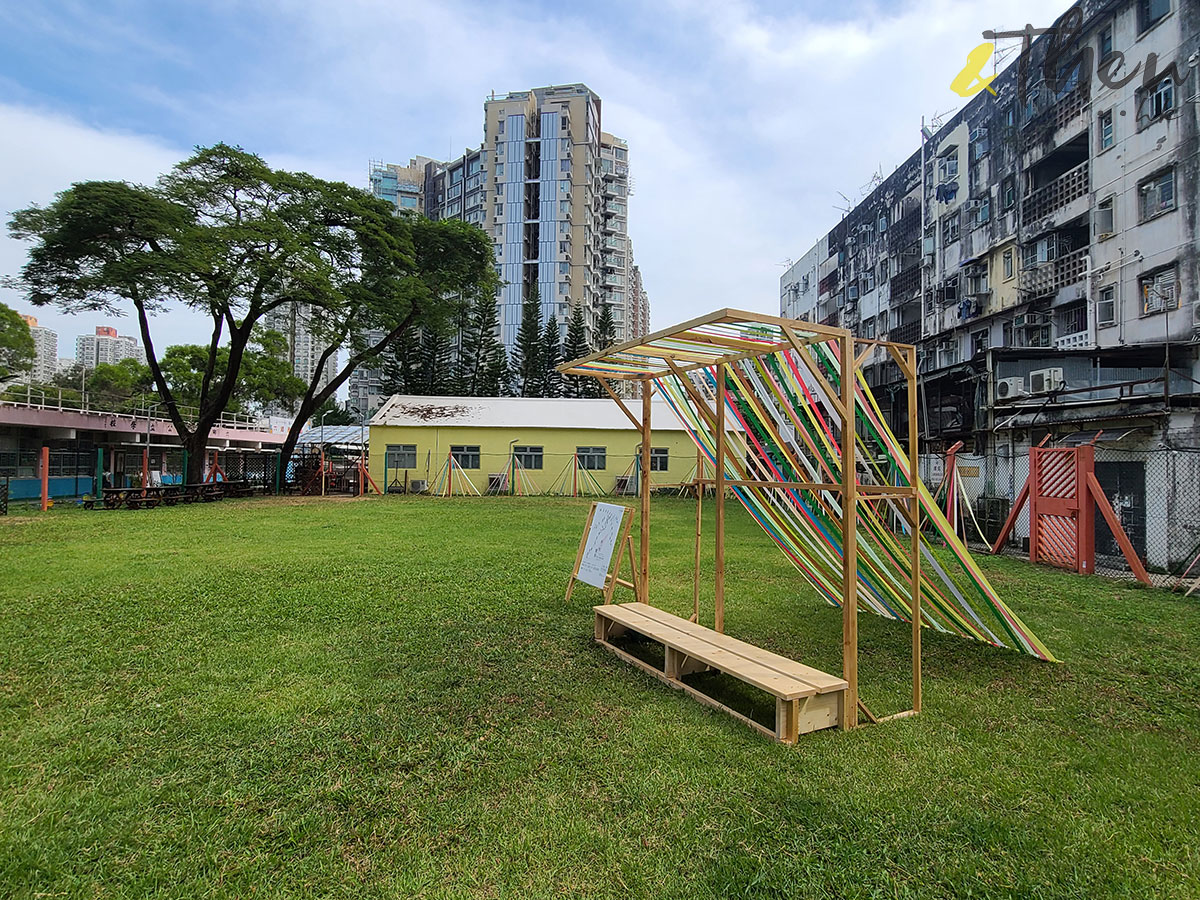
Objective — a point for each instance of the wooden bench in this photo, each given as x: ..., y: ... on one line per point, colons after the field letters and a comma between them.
x: 806, y: 699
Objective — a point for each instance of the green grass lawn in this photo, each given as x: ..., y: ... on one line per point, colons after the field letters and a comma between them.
x: 389, y: 698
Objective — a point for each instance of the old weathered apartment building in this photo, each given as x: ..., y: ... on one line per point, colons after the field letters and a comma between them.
x: 1041, y: 246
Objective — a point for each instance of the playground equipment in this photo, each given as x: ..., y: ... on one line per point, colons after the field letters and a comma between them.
x: 780, y: 410
x: 1063, y: 496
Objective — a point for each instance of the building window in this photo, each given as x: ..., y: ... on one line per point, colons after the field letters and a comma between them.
x: 950, y: 290
x: 401, y: 456
x: 979, y: 342
x: 465, y: 457
x: 528, y: 457
x: 1106, y: 306
x: 1159, y: 291
x: 564, y: 165
x: 1105, y: 126
x: 592, y: 458
x: 1008, y: 192
x: 948, y: 165
x: 1155, y: 101
x: 977, y: 279
x: 499, y: 171
x: 1156, y: 195
x: 1008, y: 265
x: 950, y: 229
x: 1106, y: 224
x: 983, y: 211
x: 1106, y: 43
x: 659, y: 459
x: 1151, y: 12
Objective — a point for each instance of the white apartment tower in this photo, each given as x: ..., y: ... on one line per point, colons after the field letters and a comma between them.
x: 106, y: 346
x: 45, y: 361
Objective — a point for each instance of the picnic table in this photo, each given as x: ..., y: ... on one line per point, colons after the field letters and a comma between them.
x: 169, y: 494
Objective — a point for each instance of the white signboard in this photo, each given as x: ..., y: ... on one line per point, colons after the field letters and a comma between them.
x: 601, y: 541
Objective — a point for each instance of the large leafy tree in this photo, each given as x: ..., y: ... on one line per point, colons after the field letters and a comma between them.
x: 329, y: 413
x: 576, y: 347
x: 17, y: 349
x: 226, y: 235
x: 119, y: 381
x: 528, y: 349
x: 266, y: 377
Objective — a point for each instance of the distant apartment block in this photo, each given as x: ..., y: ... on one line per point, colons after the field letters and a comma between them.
x: 551, y: 189
x: 1040, y: 248
x: 106, y: 346
x: 45, y: 342
x: 304, y: 347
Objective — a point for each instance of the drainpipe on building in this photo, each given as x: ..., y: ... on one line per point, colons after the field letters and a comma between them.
x: 1087, y: 293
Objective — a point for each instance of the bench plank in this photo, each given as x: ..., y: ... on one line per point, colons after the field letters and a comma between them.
x: 823, y: 682
x: 763, y: 677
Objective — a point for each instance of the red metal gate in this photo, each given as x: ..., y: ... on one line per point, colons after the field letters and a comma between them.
x: 1061, y: 520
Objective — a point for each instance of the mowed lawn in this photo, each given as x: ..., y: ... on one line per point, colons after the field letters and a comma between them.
x: 389, y: 698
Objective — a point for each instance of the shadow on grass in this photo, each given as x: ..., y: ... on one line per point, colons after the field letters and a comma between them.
x: 732, y: 692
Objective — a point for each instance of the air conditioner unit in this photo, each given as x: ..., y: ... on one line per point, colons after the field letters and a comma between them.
x: 418, y: 486
x: 1010, y: 388
x: 1043, y: 381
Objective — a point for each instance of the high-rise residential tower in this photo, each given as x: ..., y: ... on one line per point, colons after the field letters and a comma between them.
x: 304, y: 346
x: 106, y: 346
x: 550, y: 188
x: 45, y: 361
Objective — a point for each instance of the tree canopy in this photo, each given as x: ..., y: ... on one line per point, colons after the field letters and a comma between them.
x: 226, y: 235
x: 17, y: 349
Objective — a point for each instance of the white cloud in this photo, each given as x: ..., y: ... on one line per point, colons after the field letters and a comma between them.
x: 44, y: 153
x: 744, y: 122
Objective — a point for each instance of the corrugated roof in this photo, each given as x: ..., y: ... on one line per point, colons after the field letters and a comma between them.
x: 520, y: 412
x: 332, y: 434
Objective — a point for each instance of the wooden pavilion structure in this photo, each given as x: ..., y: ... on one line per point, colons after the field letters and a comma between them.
x: 695, y: 364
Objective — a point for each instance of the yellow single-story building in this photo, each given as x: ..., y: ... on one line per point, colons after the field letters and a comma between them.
x: 524, y: 444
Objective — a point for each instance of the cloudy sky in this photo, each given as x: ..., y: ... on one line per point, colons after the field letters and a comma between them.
x: 746, y: 121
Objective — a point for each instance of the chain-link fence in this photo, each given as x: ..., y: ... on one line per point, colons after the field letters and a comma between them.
x: 4, y: 497
x: 1154, y: 494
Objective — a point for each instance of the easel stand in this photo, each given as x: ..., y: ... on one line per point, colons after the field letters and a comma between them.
x: 624, y: 546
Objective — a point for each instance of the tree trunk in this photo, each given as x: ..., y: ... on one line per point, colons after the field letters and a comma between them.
x: 195, y: 445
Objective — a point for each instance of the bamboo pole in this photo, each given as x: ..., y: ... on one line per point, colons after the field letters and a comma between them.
x: 699, y: 519
x: 645, y: 490
x: 915, y: 524
x: 719, y: 562
x: 849, y: 539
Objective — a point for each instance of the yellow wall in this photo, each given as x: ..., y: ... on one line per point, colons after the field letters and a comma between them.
x: 433, y: 445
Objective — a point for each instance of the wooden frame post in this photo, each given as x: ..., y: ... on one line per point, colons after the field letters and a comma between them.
x: 849, y: 538
x: 914, y: 506
x: 45, y: 473
x: 644, y: 575
x: 719, y: 479
x: 699, y: 522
